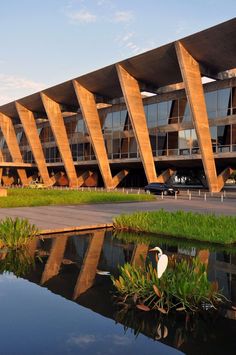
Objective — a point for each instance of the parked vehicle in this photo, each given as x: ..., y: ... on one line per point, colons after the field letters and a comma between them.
x: 159, y: 188
x: 36, y: 185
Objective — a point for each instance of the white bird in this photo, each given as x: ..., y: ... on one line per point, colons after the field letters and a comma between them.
x: 162, y: 261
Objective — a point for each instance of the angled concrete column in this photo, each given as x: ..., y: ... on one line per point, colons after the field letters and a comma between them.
x: 203, y: 256
x: 88, y: 270
x: 119, y: 177
x: 194, y: 90
x: 56, y: 120
x: 140, y: 255
x: 55, y: 258
x: 133, y: 99
x: 32, y: 247
x: 11, y: 140
x: 165, y: 176
x: 223, y: 176
x: 30, y: 128
x: 1, y: 169
x: 90, y: 114
x: 83, y: 177
x: 91, y: 117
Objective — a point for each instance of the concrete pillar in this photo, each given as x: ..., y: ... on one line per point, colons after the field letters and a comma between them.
x: 165, y: 176
x: 90, y: 114
x: 140, y: 255
x: 55, y: 258
x: 11, y: 140
x: 194, y: 90
x: 88, y: 270
x: 30, y: 128
x: 91, y: 117
x: 224, y: 175
x: 133, y: 99
x: 56, y: 120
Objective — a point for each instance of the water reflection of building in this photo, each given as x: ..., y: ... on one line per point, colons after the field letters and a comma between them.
x: 69, y: 264
x: 78, y: 258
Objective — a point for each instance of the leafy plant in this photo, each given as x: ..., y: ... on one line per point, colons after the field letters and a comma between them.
x: 184, y: 286
x: 15, y: 233
x: 19, y: 262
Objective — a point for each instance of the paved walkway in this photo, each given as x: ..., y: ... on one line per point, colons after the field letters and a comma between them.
x: 61, y: 218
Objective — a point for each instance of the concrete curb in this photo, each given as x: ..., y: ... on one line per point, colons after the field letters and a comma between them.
x: 74, y: 228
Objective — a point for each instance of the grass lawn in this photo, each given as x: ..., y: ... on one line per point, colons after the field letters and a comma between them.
x: 32, y: 197
x: 189, y: 225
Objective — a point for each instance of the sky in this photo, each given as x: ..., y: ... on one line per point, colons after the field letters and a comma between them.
x: 46, y: 42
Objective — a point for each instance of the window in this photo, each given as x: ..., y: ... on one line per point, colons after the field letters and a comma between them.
x: 211, y: 103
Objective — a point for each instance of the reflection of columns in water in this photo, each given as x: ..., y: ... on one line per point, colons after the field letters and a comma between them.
x: 55, y: 258
x: 139, y: 254
x: 32, y: 246
x: 89, y: 267
x: 203, y: 256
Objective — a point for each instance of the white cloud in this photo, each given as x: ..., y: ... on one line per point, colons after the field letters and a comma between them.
x: 16, y: 82
x: 82, y: 16
x: 81, y: 340
x: 123, y: 16
x: 12, y: 87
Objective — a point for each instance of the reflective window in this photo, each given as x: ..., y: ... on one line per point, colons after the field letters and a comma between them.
x: 116, y: 124
x: 152, y: 115
x: 123, y: 119
x: 133, y: 149
x: 80, y: 126
x: 223, y: 102
x: 234, y: 137
x: 187, y: 113
x: 162, y: 143
x: 18, y: 136
x: 185, y: 142
x: 172, y: 143
x: 213, y: 131
x: 194, y: 140
x: 108, y: 122
x: 211, y: 104
x: 163, y: 112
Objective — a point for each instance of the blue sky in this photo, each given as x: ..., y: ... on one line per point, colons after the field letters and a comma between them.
x: 45, y: 42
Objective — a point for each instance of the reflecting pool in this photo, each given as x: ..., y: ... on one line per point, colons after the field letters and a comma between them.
x: 55, y: 298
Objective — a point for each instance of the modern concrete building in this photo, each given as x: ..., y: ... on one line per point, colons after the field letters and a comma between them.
x: 104, y: 128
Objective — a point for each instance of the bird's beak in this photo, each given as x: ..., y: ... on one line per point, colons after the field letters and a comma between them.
x: 153, y: 249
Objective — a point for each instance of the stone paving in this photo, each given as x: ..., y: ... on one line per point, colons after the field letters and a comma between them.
x: 71, y: 217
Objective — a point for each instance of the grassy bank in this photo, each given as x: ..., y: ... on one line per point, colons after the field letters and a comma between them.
x: 202, y: 227
x: 30, y: 197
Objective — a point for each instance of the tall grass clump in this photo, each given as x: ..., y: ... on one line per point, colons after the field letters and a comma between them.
x: 190, y: 225
x: 183, y: 287
x: 16, y: 233
x: 18, y: 262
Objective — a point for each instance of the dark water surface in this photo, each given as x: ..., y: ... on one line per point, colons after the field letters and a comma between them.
x: 53, y: 301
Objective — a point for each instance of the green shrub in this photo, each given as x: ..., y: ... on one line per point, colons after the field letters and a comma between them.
x: 183, y: 286
x: 15, y: 233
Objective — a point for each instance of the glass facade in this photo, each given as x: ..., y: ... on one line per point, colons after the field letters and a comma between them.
x: 169, y: 123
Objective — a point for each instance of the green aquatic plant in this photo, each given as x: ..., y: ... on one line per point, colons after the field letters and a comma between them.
x: 184, y: 287
x: 180, y: 224
x: 15, y: 233
x: 19, y: 262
